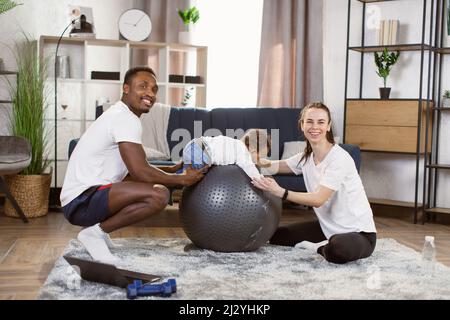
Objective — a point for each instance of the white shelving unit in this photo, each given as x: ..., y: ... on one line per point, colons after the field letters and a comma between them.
x: 78, y: 94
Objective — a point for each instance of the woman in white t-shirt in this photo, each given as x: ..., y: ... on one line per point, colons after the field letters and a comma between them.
x: 345, y: 230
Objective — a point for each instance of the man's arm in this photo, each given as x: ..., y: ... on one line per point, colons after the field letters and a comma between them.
x: 133, y: 155
x: 171, y: 169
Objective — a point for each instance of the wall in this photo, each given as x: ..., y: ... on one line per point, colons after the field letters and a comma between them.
x: 50, y: 17
x: 386, y: 176
x: 233, y: 50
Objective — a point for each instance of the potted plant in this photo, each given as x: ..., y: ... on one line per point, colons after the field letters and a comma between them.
x: 6, y: 5
x: 190, y: 17
x: 446, y: 99
x: 384, y: 63
x: 31, y: 187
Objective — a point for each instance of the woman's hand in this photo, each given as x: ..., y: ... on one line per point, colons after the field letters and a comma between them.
x: 268, y: 184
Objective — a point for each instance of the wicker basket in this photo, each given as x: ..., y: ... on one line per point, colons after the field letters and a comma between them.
x: 31, y: 193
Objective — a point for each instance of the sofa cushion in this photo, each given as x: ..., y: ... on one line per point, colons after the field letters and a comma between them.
x: 283, y: 119
x: 186, y: 119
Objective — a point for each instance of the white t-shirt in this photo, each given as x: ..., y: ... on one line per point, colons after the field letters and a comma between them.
x: 224, y: 150
x: 348, y: 209
x: 96, y: 159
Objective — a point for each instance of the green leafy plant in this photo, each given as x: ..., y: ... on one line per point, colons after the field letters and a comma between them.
x: 6, y: 5
x: 187, y: 96
x: 190, y: 15
x: 384, y: 63
x: 29, y: 102
x: 446, y: 94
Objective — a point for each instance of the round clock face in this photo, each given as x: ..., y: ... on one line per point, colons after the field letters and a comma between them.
x: 135, y: 25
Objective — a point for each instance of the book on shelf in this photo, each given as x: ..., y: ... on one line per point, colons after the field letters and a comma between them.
x: 87, y: 35
x: 388, y: 32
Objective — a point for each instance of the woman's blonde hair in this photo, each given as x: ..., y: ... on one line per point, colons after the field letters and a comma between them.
x: 330, y: 137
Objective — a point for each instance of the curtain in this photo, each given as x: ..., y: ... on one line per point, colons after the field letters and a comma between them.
x: 291, y: 64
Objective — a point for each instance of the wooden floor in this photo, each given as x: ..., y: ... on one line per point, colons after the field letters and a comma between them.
x: 29, y: 251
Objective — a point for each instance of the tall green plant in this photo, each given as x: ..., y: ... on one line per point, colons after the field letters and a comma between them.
x: 384, y: 63
x: 29, y: 103
x: 6, y: 5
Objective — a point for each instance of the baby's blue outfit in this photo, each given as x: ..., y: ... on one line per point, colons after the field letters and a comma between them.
x: 195, y: 155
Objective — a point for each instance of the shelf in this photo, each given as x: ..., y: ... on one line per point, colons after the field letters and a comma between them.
x: 443, y: 50
x: 184, y: 47
x: 54, y: 40
x: 146, y: 45
x: 65, y: 120
x: 184, y: 85
x: 52, y: 79
x: 398, y: 47
x: 99, y: 81
x: 4, y: 72
x: 442, y: 109
x: 387, y: 202
x: 390, y: 99
x: 370, y: 1
x: 438, y: 210
x: 439, y: 166
x: 5, y: 101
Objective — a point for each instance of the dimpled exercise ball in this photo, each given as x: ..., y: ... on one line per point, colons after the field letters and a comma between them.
x: 225, y: 212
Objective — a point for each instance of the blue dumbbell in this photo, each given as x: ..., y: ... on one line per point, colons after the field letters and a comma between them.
x: 137, y: 289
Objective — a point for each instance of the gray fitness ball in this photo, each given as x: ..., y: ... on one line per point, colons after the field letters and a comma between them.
x: 225, y: 212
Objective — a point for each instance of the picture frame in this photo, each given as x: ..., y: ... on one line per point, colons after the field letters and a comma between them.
x: 82, y: 21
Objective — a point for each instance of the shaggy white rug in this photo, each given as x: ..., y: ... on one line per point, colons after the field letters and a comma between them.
x: 273, y: 272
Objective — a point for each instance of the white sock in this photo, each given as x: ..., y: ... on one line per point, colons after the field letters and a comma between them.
x: 307, y: 245
x: 108, y: 240
x: 93, y: 239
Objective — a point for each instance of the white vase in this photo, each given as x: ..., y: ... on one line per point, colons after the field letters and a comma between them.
x: 187, y: 36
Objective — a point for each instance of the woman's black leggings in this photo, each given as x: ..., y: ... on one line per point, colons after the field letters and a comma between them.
x: 341, y: 248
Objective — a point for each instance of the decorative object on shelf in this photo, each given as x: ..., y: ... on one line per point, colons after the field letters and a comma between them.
x: 446, y: 99
x: 176, y: 78
x: 135, y: 25
x: 31, y: 187
x: 63, y: 66
x: 2, y: 65
x: 105, y: 75
x: 189, y: 17
x: 193, y: 79
x: 384, y: 63
x: 82, y: 22
x: 388, y: 32
x: 187, y: 98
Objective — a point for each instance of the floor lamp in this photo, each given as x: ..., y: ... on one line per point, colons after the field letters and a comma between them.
x: 56, y: 205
